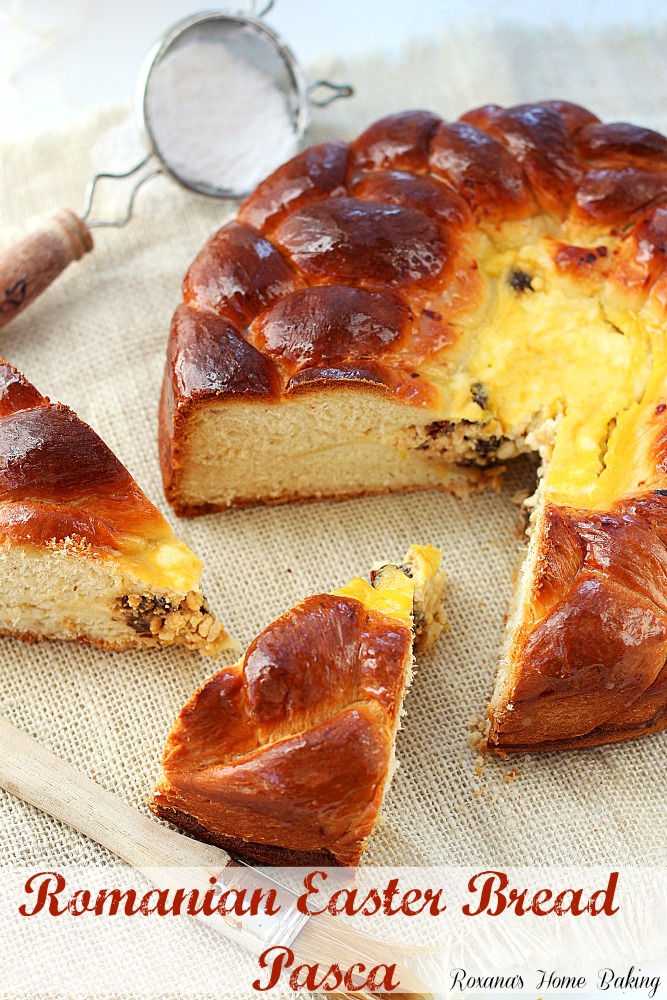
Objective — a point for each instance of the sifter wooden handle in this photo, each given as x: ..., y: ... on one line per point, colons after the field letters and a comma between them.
x: 29, y: 267
x: 31, y: 772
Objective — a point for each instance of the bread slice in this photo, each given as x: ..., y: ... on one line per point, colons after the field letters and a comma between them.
x: 285, y: 757
x: 83, y: 553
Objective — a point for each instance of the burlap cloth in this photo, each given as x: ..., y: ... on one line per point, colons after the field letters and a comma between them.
x: 96, y: 341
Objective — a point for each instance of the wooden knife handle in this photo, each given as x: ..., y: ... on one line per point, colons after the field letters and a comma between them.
x: 31, y: 772
x: 29, y: 267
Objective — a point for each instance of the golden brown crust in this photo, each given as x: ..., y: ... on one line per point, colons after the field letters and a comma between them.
x: 318, y: 172
x: 330, y: 324
x: 58, y: 480
x: 483, y: 172
x: 117, y: 646
x: 589, y: 658
x: 237, y: 275
x: 476, y: 480
x: 400, y: 141
x: 267, y: 854
x: 601, y: 736
x: 611, y: 197
x: 357, y: 240
x: 291, y: 748
x: 16, y: 393
x: 85, y: 640
x: 619, y: 143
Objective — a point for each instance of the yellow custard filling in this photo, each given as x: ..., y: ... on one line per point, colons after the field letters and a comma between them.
x: 394, y: 591
x: 559, y: 352
x: 163, y: 562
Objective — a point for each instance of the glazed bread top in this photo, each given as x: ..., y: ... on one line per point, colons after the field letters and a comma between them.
x: 61, y: 487
x: 590, y: 650
x: 292, y: 747
x: 399, y: 262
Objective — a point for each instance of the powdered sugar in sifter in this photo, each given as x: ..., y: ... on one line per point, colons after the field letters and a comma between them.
x: 221, y: 101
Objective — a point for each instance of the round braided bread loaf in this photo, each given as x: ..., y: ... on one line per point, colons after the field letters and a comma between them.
x: 410, y: 309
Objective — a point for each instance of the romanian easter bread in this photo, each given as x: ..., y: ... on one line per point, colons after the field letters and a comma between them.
x: 286, y: 756
x: 83, y: 553
x: 416, y: 307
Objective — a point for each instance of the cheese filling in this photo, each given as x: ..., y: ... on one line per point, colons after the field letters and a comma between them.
x: 546, y: 350
x: 165, y: 564
x: 411, y: 593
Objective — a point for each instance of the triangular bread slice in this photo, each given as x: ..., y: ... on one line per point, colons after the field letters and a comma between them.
x: 285, y: 757
x: 83, y: 553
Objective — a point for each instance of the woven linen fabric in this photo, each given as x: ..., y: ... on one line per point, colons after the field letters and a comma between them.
x: 96, y: 341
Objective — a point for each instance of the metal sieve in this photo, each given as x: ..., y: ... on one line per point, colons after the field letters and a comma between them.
x: 229, y: 45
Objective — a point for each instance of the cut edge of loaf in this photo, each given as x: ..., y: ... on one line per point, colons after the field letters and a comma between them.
x: 61, y: 593
x: 428, y: 622
x: 361, y: 444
